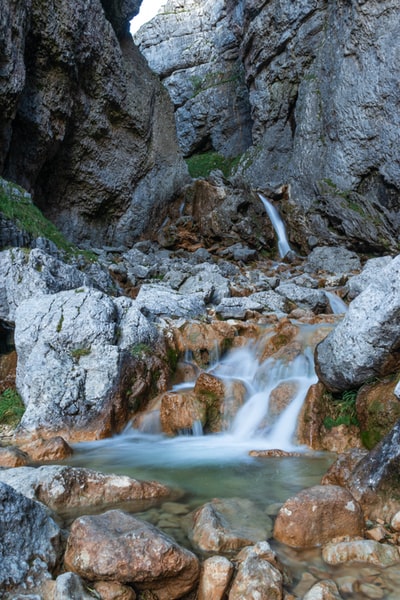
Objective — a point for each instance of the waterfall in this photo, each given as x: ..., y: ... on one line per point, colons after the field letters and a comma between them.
x: 278, y: 225
x: 338, y: 306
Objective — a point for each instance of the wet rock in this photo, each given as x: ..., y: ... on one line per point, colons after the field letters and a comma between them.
x: 323, y: 590
x: 204, y: 340
x: 340, y: 471
x: 361, y: 551
x: 31, y: 542
x: 10, y: 456
x: 258, y: 575
x: 115, y: 546
x: 316, y: 515
x: 226, y: 525
x: 159, y: 301
x: 333, y: 260
x: 69, y: 488
x: 378, y: 409
x: 181, y: 412
x: 215, y: 577
x: 365, y: 343
x: 53, y: 449
x: 374, y: 480
x: 74, y: 352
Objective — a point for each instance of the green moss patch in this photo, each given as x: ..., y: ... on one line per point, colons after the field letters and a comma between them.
x: 201, y: 165
x: 11, y: 407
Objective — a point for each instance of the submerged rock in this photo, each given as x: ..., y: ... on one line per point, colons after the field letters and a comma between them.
x: 227, y: 525
x: 115, y: 546
x: 361, y: 551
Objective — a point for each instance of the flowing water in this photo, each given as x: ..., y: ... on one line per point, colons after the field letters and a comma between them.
x: 278, y: 225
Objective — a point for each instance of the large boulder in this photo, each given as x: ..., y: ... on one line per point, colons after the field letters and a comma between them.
x: 74, y: 351
x: 115, y: 546
x: 91, y: 123
x: 30, y: 544
x: 26, y: 274
x: 367, y: 342
x: 317, y: 515
x: 66, y: 489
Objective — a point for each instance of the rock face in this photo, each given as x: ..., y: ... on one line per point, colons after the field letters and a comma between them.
x: 84, y: 123
x: 74, y: 350
x: 327, y: 153
x: 31, y: 542
x: 366, y: 343
x: 317, y: 515
x: 115, y: 546
x: 195, y: 48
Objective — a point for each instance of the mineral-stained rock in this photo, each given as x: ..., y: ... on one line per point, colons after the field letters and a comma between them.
x: 378, y: 409
x: 31, y: 542
x: 366, y: 343
x: 70, y: 488
x: 53, y: 449
x: 258, y: 575
x: 10, y: 456
x: 227, y: 525
x: 323, y: 590
x: 112, y: 590
x: 317, y: 515
x: 74, y: 350
x: 181, y: 412
x: 215, y: 576
x: 358, y: 551
x: 115, y: 546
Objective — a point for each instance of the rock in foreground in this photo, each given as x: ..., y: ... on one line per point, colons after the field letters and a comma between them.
x: 115, y: 546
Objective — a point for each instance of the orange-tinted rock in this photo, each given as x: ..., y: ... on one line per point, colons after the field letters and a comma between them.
x: 257, y: 576
x: 316, y: 515
x: 55, y: 448
x: 8, y: 367
x: 215, y: 576
x: 339, y: 473
x: 340, y: 438
x: 210, y: 386
x: 285, y: 334
x: 112, y: 590
x: 279, y: 399
x: 204, y: 340
x: 116, y: 546
x: 180, y: 411
x: 10, y: 456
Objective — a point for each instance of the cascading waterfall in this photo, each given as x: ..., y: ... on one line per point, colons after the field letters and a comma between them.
x: 278, y: 225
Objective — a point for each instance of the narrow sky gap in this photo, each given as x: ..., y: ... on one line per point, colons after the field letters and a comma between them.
x: 148, y: 10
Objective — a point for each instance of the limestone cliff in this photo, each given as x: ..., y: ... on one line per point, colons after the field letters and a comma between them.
x: 321, y: 79
x: 84, y: 124
x: 195, y: 48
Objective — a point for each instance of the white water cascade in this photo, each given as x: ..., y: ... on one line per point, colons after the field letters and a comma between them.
x: 251, y: 428
x: 278, y: 225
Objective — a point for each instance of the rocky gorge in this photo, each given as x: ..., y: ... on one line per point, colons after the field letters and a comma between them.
x: 188, y: 411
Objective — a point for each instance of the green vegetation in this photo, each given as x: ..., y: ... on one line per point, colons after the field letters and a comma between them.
x: 60, y: 323
x: 201, y: 165
x: 342, y: 410
x: 79, y: 352
x: 140, y: 350
x: 16, y: 205
x: 11, y: 407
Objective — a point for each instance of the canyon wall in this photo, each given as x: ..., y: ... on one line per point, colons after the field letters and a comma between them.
x: 320, y: 80
x: 85, y: 126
